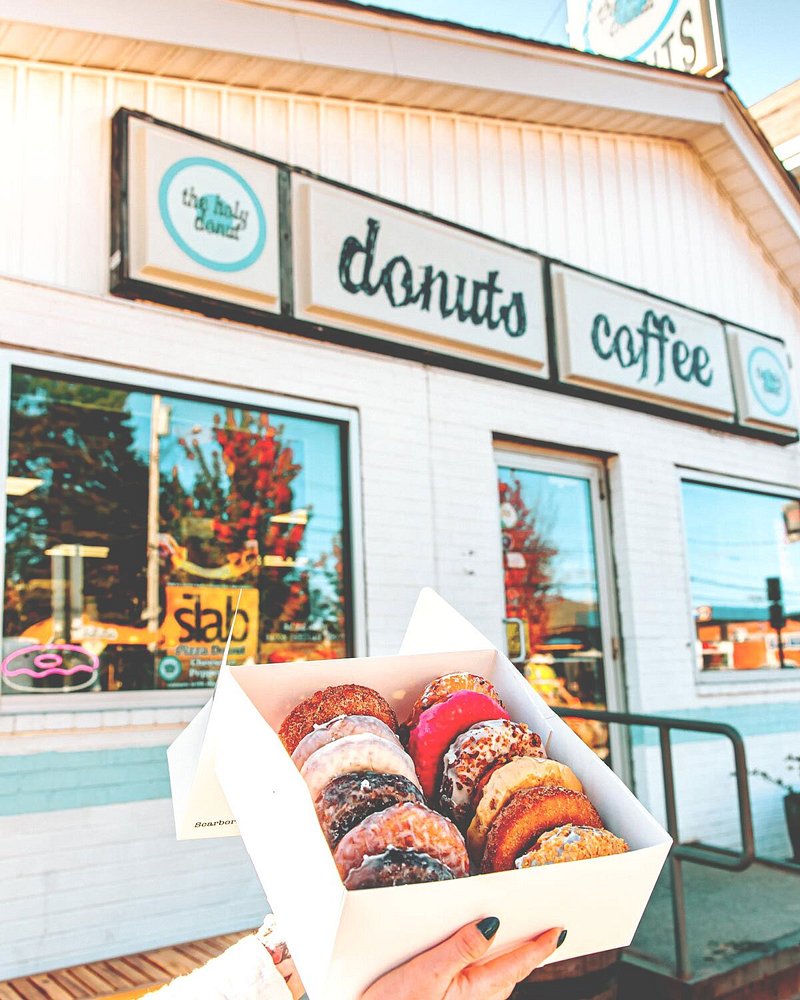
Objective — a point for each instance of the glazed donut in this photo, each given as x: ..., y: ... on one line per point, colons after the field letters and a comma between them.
x: 348, y: 799
x: 396, y: 867
x: 526, y: 816
x: 442, y: 687
x: 503, y: 782
x: 362, y: 752
x: 472, y: 754
x: 324, y: 705
x: 407, y: 826
x: 439, y: 725
x: 335, y: 729
x: 571, y: 843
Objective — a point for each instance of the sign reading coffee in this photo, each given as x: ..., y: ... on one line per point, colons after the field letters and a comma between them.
x: 763, y: 383
x: 202, y: 218
x: 626, y: 342
x: 379, y: 270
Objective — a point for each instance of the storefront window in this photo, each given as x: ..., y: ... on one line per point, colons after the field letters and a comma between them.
x: 552, y: 588
x: 137, y: 520
x: 744, y: 565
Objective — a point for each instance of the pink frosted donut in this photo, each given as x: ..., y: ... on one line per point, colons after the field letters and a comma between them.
x: 362, y: 752
x: 472, y: 754
x: 439, y: 725
x: 336, y: 729
x: 407, y: 826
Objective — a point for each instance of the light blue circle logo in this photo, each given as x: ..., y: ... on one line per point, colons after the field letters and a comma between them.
x: 170, y: 668
x: 624, y: 12
x: 212, y: 214
x: 769, y: 381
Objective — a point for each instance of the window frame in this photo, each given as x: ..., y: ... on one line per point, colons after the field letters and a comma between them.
x: 297, y: 406
x: 719, y: 680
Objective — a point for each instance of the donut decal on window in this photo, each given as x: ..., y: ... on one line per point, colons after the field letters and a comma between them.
x: 22, y: 669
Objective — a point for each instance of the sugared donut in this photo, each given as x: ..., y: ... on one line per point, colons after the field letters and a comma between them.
x: 348, y: 799
x: 363, y: 752
x: 396, y: 867
x: 571, y: 843
x: 442, y: 687
x: 439, y: 725
x: 324, y: 705
x: 335, y: 729
x: 504, y: 781
x: 526, y: 816
x: 472, y: 754
x: 406, y: 826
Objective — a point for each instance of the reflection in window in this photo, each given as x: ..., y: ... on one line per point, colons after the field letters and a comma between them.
x: 552, y: 587
x: 136, y: 522
x: 738, y: 540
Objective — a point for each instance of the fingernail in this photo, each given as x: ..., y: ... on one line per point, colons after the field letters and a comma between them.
x: 562, y: 937
x: 488, y: 927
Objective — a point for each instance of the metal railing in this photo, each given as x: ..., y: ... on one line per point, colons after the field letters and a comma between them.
x: 698, y: 853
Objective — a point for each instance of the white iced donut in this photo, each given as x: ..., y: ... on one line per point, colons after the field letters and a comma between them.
x: 337, y: 729
x: 362, y: 752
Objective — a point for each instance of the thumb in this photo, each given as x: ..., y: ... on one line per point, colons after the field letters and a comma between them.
x: 466, y: 946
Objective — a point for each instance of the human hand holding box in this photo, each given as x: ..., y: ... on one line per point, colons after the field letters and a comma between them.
x: 342, y: 941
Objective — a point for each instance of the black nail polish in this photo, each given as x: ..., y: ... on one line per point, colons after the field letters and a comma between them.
x: 488, y: 927
x: 562, y: 937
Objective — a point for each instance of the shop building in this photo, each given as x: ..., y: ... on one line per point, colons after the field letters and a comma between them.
x: 325, y: 305
x: 778, y: 115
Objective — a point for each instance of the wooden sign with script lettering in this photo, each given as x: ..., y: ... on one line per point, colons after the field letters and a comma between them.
x: 633, y: 344
x: 376, y: 269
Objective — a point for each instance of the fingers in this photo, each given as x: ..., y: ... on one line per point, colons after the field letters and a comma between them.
x: 499, y: 976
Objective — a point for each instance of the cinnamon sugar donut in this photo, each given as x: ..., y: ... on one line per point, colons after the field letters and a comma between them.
x: 571, y: 843
x: 348, y: 799
x: 396, y: 867
x: 442, y: 687
x: 406, y: 826
x: 526, y: 816
x: 326, y: 704
x: 472, y: 754
x: 503, y: 782
x: 362, y: 752
x: 335, y: 729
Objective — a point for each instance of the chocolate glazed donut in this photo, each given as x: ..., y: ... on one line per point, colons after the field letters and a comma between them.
x: 527, y: 815
x: 396, y: 867
x: 348, y: 799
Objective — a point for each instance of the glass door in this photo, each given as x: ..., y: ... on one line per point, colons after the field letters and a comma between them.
x: 560, y: 615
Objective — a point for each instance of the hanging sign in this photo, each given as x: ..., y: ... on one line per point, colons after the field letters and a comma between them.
x: 763, y: 382
x: 202, y: 218
x: 396, y: 275
x: 632, y: 344
x: 674, y: 34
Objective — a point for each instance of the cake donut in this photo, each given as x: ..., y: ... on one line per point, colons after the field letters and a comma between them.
x: 442, y: 687
x: 396, y: 867
x: 473, y: 753
x: 326, y: 704
x: 571, y: 843
x: 439, y: 725
x: 335, y: 729
x: 350, y: 798
x: 362, y: 752
x: 510, y: 777
x: 526, y: 816
x: 405, y: 826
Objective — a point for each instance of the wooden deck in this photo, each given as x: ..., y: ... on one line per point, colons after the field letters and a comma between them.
x: 122, y: 978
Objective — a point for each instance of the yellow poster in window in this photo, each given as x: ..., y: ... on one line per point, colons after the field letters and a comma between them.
x: 197, y: 621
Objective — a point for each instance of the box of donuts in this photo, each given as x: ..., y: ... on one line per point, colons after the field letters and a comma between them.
x: 387, y: 801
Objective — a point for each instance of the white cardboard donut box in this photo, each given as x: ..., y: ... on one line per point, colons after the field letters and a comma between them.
x: 231, y: 776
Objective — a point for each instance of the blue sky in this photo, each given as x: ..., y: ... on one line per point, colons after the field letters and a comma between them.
x: 762, y: 35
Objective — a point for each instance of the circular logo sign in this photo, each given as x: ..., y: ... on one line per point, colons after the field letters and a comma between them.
x: 769, y: 381
x: 212, y: 214
x: 625, y: 29
x: 170, y: 668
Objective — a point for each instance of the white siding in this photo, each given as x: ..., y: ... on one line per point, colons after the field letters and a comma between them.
x: 641, y: 210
